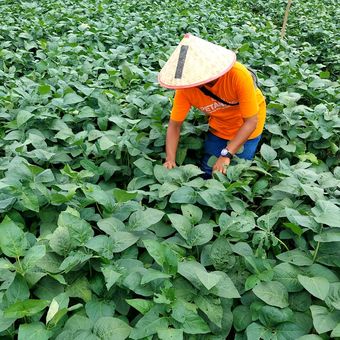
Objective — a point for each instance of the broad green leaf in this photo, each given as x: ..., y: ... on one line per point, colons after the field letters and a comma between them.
x: 256, y: 331
x: 192, y: 212
x: 144, y: 165
x: 111, y: 276
x: 108, y: 327
x: 18, y: 290
x: 287, y: 274
x: 181, y: 224
x: 323, y: 319
x: 273, y: 293
x: 268, y: 153
x: 33, y: 331
x: 213, y: 199
x: 271, y: 316
x: 167, y: 188
x: 242, y: 317
x: 25, y: 308
x: 196, y: 274
x: 152, y: 275
x: 5, y: 323
x: 142, y: 219
x: 328, y: 235
x: 33, y: 255
x: 72, y: 98
x: 317, y: 286
x: 327, y: 212
x: 143, y: 306
x: 96, y: 309
x: 211, y: 308
x: 123, y: 240
x: 101, y: 244
x: 296, y: 257
x: 191, y: 322
x: 23, y: 116
x: 183, y: 195
x: 225, y: 287
x: 200, y: 234
x: 333, y: 297
x: 123, y: 196
x: 13, y: 242
x: 149, y: 324
x: 170, y: 334
x: 80, y: 289
x: 336, y: 331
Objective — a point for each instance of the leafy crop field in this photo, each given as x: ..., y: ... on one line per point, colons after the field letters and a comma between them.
x: 99, y: 241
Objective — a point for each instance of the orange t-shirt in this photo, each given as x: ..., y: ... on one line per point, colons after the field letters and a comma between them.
x: 236, y: 86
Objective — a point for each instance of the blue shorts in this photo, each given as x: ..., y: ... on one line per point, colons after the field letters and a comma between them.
x: 213, y: 146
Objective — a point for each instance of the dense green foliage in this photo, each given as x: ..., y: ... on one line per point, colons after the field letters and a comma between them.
x: 99, y: 241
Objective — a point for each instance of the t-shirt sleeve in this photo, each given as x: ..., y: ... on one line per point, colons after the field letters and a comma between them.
x: 246, y: 93
x: 181, y: 106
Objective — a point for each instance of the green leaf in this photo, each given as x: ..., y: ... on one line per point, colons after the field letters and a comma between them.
x: 143, y: 306
x: 33, y: 255
x: 327, y: 212
x: 268, y: 153
x: 271, y: 316
x: 196, y: 273
x: 191, y: 322
x: 211, y: 308
x: 323, y: 319
x: 44, y: 89
x: 181, y: 224
x: 13, y: 242
x: 170, y: 334
x: 336, y: 331
x: 333, y: 298
x: 123, y: 240
x: 297, y: 257
x: 183, y: 195
x: 242, y: 317
x: 192, y: 212
x: 25, y: 308
x: 144, y: 165
x: 287, y: 274
x: 143, y: 219
x: 123, y: 196
x: 200, y: 234
x: 213, y: 199
x: 111, y: 276
x: 97, y: 309
x: 328, y: 235
x: 317, y: 286
x: 149, y: 324
x: 33, y: 331
x: 23, y: 116
x: 108, y: 327
x: 72, y: 98
x: 101, y: 244
x: 273, y: 293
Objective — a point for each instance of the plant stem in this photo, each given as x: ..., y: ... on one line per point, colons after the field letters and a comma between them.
x: 316, y: 251
x: 285, y: 19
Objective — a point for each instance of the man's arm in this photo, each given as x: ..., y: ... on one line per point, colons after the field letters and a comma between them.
x: 172, y: 138
x: 241, y: 137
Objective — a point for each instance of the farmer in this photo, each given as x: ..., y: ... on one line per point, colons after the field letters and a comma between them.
x: 208, y: 77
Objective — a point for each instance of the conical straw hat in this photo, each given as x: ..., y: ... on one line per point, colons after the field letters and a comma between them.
x: 195, y: 62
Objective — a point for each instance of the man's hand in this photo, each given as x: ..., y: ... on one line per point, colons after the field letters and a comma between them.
x: 221, y: 164
x: 169, y: 164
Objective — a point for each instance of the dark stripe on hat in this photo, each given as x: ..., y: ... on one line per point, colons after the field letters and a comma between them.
x: 181, y: 61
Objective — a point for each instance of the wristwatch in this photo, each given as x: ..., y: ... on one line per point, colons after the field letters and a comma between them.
x: 226, y: 153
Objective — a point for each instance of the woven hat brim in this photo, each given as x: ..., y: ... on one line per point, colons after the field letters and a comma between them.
x: 195, y: 62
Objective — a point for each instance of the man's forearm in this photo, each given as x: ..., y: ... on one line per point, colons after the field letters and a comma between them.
x: 172, y: 138
x: 242, y: 135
